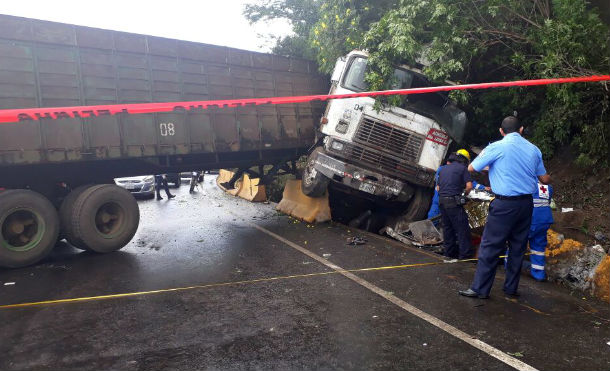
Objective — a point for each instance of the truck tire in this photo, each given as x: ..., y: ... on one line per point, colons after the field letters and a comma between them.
x: 313, y: 183
x: 103, y: 218
x: 419, y: 205
x: 64, y: 214
x: 416, y: 210
x: 29, y: 226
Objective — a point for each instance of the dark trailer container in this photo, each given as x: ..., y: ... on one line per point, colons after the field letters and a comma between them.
x: 57, y: 172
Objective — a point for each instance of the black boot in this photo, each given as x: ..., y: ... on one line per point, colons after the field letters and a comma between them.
x: 159, y: 197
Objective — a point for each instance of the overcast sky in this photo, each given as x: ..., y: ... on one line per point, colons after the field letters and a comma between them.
x: 208, y: 21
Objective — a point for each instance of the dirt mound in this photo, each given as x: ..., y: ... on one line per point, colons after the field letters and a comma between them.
x: 587, y: 191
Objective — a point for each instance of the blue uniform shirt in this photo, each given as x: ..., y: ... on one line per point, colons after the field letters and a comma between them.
x: 542, y: 213
x: 514, y: 165
x: 452, y: 179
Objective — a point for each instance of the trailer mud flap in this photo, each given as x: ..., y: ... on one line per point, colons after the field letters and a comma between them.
x: 245, y: 187
x: 295, y: 203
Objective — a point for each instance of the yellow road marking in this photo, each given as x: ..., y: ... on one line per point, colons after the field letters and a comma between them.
x: 220, y: 284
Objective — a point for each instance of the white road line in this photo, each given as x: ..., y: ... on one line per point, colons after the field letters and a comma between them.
x: 481, y: 345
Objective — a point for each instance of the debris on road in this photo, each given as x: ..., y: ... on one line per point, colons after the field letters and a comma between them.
x: 9, y: 283
x: 421, y: 233
x: 578, y: 266
x: 326, y: 255
x: 356, y: 240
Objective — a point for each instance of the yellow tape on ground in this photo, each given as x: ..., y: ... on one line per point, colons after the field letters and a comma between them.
x: 211, y: 285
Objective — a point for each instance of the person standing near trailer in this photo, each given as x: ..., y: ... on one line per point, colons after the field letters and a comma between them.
x: 515, y: 168
x: 542, y: 218
x: 161, y: 181
x: 453, y: 184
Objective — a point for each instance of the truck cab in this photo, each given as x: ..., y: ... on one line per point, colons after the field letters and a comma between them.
x: 389, y: 152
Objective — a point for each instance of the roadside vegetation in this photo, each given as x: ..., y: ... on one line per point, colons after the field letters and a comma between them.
x: 469, y: 42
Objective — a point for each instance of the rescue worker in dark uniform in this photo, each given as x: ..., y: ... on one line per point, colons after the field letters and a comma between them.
x: 194, y: 180
x: 453, y: 180
x: 515, y: 167
x: 161, y: 181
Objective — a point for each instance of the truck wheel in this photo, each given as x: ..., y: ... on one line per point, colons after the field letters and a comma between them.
x: 104, y: 218
x: 29, y: 226
x: 313, y: 183
x: 419, y: 205
x: 64, y: 214
x: 416, y: 210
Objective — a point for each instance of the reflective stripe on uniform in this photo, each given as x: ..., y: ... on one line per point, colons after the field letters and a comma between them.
x: 534, y: 252
x: 539, y: 267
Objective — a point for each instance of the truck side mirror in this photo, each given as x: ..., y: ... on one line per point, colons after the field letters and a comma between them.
x: 339, y: 65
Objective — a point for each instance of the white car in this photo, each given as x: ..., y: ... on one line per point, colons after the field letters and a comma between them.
x: 138, y: 185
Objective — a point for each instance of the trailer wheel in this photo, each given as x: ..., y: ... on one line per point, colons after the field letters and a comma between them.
x: 313, y: 183
x: 104, y: 218
x: 65, y: 211
x: 29, y: 226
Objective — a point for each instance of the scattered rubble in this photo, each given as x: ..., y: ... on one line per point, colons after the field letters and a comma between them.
x: 585, y: 268
x: 356, y: 240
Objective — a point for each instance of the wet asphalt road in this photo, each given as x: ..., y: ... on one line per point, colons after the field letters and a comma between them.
x: 312, y: 322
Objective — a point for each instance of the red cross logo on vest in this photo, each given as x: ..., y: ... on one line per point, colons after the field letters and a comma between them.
x: 543, y: 189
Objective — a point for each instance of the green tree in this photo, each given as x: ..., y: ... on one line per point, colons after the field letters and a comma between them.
x: 473, y: 41
x: 302, y: 14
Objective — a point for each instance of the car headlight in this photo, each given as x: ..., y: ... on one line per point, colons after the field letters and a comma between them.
x: 341, y: 127
x: 337, y: 146
x: 149, y: 179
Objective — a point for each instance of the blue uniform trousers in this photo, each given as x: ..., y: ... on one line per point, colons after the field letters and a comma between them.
x: 508, y: 221
x: 456, y: 232
x: 537, y: 239
x: 434, y: 208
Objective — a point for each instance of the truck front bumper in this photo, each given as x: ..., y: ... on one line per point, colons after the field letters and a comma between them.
x: 356, y: 177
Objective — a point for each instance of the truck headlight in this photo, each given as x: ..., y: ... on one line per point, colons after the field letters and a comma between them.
x: 341, y: 127
x: 337, y: 146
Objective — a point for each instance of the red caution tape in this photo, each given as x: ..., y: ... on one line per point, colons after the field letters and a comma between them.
x: 29, y: 114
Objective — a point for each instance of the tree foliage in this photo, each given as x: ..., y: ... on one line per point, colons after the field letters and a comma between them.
x: 473, y: 41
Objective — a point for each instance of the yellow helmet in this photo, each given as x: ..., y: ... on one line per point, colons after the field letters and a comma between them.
x: 463, y: 152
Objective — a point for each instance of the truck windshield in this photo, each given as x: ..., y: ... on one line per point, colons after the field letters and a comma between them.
x: 354, y: 79
x: 433, y: 105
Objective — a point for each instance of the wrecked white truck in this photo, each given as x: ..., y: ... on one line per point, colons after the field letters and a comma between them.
x: 390, y: 153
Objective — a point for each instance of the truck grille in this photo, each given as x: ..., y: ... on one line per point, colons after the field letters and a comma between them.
x: 404, y: 144
x: 379, y: 161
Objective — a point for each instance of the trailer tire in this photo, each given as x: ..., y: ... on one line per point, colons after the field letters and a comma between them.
x: 29, y: 227
x: 65, y: 211
x: 313, y: 183
x: 104, y: 218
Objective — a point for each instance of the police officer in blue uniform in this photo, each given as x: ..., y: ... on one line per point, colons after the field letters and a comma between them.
x: 515, y: 167
x: 453, y: 180
x: 434, y: 207
x: 542, y: 218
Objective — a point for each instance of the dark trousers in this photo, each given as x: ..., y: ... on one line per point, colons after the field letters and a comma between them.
x: 456, y: 231
x: 160, y: 181
x: 194, y: 179
x: 508, y: 222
